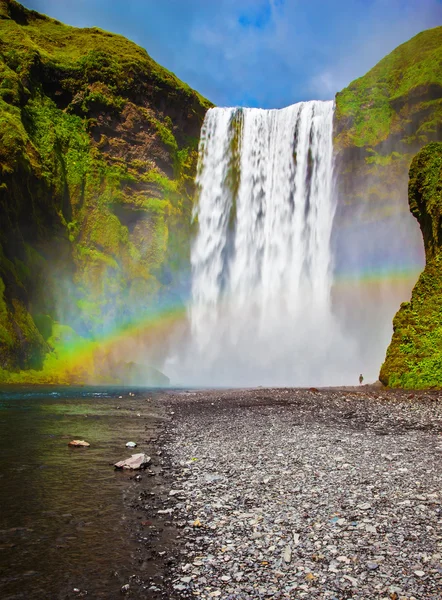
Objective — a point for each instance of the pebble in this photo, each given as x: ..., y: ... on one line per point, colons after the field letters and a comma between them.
x: 326, y: 495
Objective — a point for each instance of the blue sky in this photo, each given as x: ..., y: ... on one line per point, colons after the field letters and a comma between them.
x: 267, y: 53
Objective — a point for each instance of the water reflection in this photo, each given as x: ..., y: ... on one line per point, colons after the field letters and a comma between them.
x: 65, y: 517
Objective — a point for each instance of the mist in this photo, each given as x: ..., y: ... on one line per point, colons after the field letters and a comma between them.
x: 288, y: 322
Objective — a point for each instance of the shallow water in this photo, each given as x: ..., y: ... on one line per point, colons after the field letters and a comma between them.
x: 65, y: 516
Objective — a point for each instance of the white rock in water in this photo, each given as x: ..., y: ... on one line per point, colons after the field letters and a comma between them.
x: 135, y: 462
x: 131, y: 445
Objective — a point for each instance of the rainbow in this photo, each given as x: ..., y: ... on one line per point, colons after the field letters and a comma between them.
x: 395, y: 275
x: 85, y: 360
x: 90, y: 360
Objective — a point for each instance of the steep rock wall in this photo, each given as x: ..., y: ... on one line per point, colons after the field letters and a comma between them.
x: 98, y: 151
x: 414, y: 357
x: 381, y: 120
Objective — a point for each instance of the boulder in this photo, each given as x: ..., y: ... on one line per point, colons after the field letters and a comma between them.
x: 79, y: 444
x: 135, y: 462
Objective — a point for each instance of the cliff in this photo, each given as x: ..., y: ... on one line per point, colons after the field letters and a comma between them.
x: 382, y: 119
x: 414, y: 357
x: 98, y: 151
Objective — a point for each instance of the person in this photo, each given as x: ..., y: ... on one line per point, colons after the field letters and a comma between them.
x: 361, y: 379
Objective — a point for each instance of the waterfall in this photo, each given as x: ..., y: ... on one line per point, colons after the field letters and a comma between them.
x: 260, y: 311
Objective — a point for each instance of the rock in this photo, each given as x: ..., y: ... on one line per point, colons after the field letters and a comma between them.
x: 125, y: 588
x: 135, y: 462
x: 419, y: 573
x: 287, y: 556
x: 132, y: 373
x: 131, y: 445
x: 79, y: 444
x: 314, y: 530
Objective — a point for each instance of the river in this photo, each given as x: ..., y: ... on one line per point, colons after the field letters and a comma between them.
x: 69, y: 522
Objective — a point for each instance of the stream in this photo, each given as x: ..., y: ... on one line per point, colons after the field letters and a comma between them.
x: 67, y: 519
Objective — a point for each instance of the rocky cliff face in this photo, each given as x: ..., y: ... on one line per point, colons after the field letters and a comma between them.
x: 381, y: 121
x: 98, y: 151
x: 414, y: 357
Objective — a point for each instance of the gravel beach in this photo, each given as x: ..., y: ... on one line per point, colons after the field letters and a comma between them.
x: 297, y: 493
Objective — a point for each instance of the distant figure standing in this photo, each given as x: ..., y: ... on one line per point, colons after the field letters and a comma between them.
x: 361, y: 379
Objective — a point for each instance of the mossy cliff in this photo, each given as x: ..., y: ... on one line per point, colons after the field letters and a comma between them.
x: 414, y: 357
x: 382, y: 119
x: 98, y: 151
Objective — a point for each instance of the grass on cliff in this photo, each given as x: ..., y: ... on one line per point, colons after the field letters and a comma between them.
x: 28, y: 37
x: 59, y: 86
x: 371, y: 104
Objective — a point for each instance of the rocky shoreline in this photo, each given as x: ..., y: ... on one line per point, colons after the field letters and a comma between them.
x: 296, y: 493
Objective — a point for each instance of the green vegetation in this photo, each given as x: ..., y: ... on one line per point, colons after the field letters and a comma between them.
x: 96, y: 178
x: 233, y: 177
x: 403, y: 86
x: 381, y: 121
x: 414, y: 357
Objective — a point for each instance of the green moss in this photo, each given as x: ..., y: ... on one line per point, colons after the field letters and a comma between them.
x: 414, y: 357
x: 165, y: 184
x: 6, y: 338
x: 105, y: 232
x: 233, y: 178
x: 383, y: 160
x: 166, y: 136
x: 378, y: 104
x: 63, y: 146
x: 81, y: 210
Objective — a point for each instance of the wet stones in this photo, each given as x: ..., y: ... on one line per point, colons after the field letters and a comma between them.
x: 135, y: 462
x: 78, y: 444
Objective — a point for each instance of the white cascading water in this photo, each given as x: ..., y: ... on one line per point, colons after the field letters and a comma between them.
x: 260, y: 309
